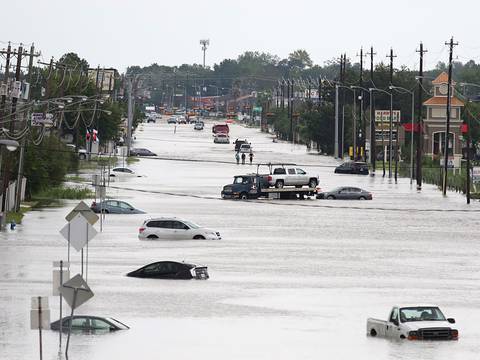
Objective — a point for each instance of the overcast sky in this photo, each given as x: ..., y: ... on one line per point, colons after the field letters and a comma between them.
x: 119, y: 33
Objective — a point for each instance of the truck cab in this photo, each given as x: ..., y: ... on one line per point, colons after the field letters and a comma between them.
x: 245, y: 187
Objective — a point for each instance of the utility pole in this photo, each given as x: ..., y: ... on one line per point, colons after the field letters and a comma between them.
x: 420, y: 120
x: 342, y: 80
x: 360, y: 126
x: 18, y: 197
x: 130, y: 113
x: 291, y: 111
x: 373, y: 138
x: 451, y: 44
x: 7, y: 54
x: 335, y: 148
x: 390, y: 137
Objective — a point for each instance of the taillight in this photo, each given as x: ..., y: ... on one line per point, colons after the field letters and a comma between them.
x: 269, y: 178
x: 142, y: 229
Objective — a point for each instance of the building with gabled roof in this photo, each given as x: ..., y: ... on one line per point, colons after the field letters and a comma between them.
x: 436, y: 120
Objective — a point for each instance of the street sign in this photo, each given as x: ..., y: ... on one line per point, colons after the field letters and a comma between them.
x: 65, y: 275
x: 476, y: 174
x: 78, y: 232
x: 16, y: 89
x: 39, y: 313
x: 76, y: 290
x: 83, y: 209
x: 39, y: 119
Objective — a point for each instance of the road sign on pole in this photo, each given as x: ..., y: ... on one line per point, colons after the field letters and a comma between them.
x: 78, y: 231
x: 85, y: 210
x: 40, y: 318
x: 76, y: 292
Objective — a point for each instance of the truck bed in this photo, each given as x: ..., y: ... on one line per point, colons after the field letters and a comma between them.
x: 377, y: 325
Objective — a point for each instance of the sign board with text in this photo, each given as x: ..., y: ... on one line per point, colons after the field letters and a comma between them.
x: 476, y: 174
x: 384, y: 115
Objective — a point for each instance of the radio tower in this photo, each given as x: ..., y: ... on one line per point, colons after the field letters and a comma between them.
x: 204, y: 43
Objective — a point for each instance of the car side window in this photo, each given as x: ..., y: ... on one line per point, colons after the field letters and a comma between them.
x: 124, y: 205
x: 394, y: 315
x: 291, y: 171
x: 179, y: 225
x: 128, y: 171
x: 155, y: 224
x: 78, y: 322
x: 166, y: 224
x: 99, y: 324
x: 279, y: 171
x: 300, y: 172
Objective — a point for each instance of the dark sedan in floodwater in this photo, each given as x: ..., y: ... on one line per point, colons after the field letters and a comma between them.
x: 141, y: 152
x: 352, y: 167
x: 89, y: 324
x: 171, y: 270
x: 345, y: 193
x: 114, y: 207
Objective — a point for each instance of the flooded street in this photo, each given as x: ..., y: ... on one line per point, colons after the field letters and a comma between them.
x: 290, y: 279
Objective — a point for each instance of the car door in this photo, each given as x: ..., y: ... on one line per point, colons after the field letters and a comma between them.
x: 182, y: 231
x: 100, y: 326
x: 125, y: 208
x: 79, y: 324
x: 342, y: 193
x: 302, y: 177
x: 291, y: 178
x: 112, y: 207
x: 393, y: 325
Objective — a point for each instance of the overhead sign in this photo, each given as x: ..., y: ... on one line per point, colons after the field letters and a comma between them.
x: 384, y: 115
x: 16, y: 89
x: 76, y: 291
x: 476, y: 174
x: 85, y: 210
x: 78, y: 232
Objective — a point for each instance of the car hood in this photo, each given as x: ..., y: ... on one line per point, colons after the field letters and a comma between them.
x: 415, y: 325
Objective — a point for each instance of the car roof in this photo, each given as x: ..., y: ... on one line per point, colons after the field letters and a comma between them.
x: 415, y: 305
x: 171, y: 261
x: 165, y: 218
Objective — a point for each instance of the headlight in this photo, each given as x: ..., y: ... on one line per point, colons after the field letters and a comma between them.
x: 413, y: 335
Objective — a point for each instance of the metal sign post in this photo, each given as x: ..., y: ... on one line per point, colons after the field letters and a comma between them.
x: 39, y: 318
x: 76, y: 292
x: 59, y: 277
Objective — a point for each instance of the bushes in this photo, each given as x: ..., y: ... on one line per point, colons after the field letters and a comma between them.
x: 62, y: 192
x: 47, y: 164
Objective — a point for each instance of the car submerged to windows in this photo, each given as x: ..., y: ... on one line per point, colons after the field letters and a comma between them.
x: 346, y: 193
x: 171, y: 228
x: 123, y: 172
x: 171, y: 270
x: 352, y: 167
x: 89, y: 324
x: 114, y: 207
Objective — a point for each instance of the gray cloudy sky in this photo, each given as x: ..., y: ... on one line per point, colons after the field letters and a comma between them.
x: 120, y: 33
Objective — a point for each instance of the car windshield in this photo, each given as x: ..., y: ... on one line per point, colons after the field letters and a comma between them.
x: 118, y: 323
x: 421, y: 314
x: 191, y: 225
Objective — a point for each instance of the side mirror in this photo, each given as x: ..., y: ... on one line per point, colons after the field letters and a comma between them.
x: 395, y: 322
x: 451, y: 320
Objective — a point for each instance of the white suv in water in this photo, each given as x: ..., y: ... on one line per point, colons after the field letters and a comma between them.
x: 171, y: 228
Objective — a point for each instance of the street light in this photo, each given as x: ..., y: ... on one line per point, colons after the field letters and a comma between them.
x: 336, y: 151
x: 390, y: 134
x: 372, y: 129
x: 412, y: 93
x: 10, y: 145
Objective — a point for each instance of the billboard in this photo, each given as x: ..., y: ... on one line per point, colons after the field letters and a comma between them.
x: 103, y: 78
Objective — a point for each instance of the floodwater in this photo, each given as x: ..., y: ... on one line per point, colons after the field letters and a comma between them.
x: 290, y: 279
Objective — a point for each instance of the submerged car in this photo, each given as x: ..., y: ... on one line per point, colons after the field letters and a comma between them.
x: 122, y: 172
x: 171, y: 270
x: 352, y: 167
x: 89, y: 324
x: 171, y: 120
x: 171, y: 228
x: 114, y: 207
x: 199, y: 125
x: 141, y: 152
x: 345, y: 193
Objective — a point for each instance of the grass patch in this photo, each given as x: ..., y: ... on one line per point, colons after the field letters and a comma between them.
x: 132, y: 160
x: 62, y: 192
x: 17, y: 216
x: 75, y: 178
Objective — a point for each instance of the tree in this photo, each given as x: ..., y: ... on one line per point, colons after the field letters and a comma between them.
x: 299, y: 60
x: 73, y: 61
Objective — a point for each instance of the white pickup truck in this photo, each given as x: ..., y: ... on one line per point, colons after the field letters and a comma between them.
x: 414, y: 323
x: 290, y: 175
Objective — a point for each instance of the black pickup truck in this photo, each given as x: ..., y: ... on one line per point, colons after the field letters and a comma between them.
x: 254, y: 186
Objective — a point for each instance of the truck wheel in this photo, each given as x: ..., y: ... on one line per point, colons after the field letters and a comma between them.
x: 244, y: 196
x: 373, y: 333
x: 312, y: 183
x: 279, y: 184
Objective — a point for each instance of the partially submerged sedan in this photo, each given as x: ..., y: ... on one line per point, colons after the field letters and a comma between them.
x: 345, y: 193
x: 89, y: 324
x: 171, y: 270
x: 114, y: 207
